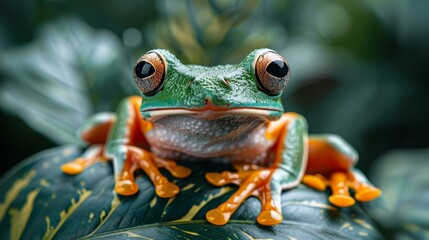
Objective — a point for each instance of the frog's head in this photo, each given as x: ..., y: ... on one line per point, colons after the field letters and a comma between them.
x: 253, y: 87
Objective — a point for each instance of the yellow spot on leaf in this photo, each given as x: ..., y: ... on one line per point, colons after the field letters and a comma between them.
x: 365, y: 234
x: 134, y: 235
x: 194, y: 209
x: 48, y: 224
x: 363, y: 224
x: 170, y: 200
x: 13, y: 192
x: 91, y: 216
x: 348, y: 226
x: 44, y: 183
x: 65, y: 214
x: 187, y: 187
x: 311, y: 204
x: 103, y: 217
x: 187, y: 232
x: 153, y: 202
x: 19, y: 218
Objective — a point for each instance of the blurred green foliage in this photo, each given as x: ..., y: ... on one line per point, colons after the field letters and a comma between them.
x: 359, y: 68
x: 403, y: 176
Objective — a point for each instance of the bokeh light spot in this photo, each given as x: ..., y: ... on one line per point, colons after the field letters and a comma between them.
x: 132, y: 37
x: 333, y: 21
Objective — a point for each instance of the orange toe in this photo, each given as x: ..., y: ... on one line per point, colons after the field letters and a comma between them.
x: 126, y: 187
x: 167, y: 190
x: 341, y: 200
x: 217, y: 217
x: 72, y: 168
x: 181, y: 172
x: 269, y: 218
x: 216, y: 179
x: 368, y: 194
x: 314, y: 182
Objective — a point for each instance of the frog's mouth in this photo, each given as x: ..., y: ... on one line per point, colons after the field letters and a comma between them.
x: 212, y: 112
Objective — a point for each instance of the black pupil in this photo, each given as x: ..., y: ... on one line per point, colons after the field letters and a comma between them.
x: 144, y: 69
x: 278, y: 68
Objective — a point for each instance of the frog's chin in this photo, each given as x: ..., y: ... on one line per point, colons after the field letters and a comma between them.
x: 264, y: 113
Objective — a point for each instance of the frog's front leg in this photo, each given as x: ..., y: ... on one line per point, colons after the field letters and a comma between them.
x: 93, y: 132
x: 123, y: 137
x: 284, y: 171
x: 330, y: 163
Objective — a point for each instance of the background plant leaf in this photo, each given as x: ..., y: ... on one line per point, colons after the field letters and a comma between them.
x: 38, y: 200
x: 54, y: 82
x: 403, y: 176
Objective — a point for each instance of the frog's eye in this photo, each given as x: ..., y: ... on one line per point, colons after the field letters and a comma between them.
x: 272, y: 72
x: 149, y: 73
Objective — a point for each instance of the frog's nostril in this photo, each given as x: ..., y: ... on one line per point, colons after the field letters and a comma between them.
x: 208, y: 101
x: 191, y: 81
x: 226, y: 82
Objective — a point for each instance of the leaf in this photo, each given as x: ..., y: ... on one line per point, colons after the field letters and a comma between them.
x: 403, y: 176
x: 38, y: 200
x: 53, y: 82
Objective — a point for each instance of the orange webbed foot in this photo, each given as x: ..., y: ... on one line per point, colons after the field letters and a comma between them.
x: 252, y: 181
x: 341, y: 183
x: 171, y: 166
x: 138, y: 158
x: 92, y: 155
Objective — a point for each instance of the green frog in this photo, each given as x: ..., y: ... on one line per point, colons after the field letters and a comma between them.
x: 229, y: 114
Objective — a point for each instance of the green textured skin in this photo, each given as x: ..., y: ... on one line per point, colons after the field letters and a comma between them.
x: 118, y: 137
x: 293, y: 156
x: 188, y: 86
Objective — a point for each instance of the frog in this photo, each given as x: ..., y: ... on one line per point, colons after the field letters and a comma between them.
x: 228, y: 114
